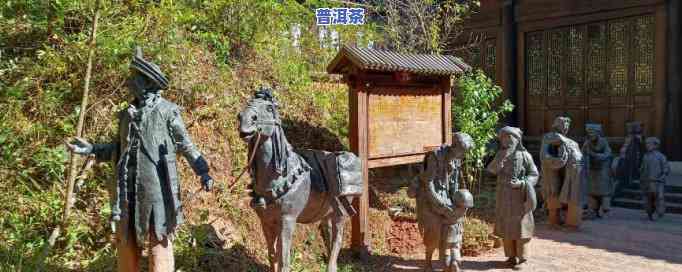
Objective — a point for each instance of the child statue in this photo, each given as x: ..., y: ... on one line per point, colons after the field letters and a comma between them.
x: 598, y: 159
x: 653, y: 173
x: 441, y: 205
x: 515, y: 197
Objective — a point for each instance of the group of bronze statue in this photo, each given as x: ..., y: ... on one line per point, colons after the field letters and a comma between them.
x: 306, y: 186
x: 588, y: 177
x: 576, y: 183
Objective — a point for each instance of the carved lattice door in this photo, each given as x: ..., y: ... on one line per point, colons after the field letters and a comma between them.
x: 599, y: 72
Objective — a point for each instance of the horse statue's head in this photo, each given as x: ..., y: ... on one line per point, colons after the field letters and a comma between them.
x: 260, y: 116
x: 260, y: 120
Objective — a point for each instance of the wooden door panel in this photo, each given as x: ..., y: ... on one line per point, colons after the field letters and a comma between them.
x: 618, y: 117
x: 574, y: 79
x: 555, y: 102
x: 618, y: 101
x: 575, y: 101
x: 600, y: 101
x: 554, y: 49
x: 598, y: 116
x: 536, y: 122
x: 536, y: 83
x: 536, y: 102
x: 595, y: 64
x: 640, y: 100
x: 549, y: 116
x: 645, y: 116
x: 601, y: 71
x: 577, y: 116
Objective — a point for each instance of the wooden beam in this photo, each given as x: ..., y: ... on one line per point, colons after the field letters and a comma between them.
x: 531, y: 10
x: 376, y: 163
x: 552, y: 22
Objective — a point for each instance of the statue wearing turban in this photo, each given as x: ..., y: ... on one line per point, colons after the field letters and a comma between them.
x: 515, y: 195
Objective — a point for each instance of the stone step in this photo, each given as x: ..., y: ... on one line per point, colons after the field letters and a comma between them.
x: 672, y: 189
x: 638, y: 204
x: 636, y: 194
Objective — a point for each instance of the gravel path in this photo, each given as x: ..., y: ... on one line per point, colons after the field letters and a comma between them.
x: 624, y: 241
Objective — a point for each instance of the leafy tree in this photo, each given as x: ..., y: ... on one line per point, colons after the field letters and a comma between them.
x: 424, y: 26
x: 477, y: 111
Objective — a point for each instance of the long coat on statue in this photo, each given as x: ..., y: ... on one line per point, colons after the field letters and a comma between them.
x: 147, y: 185
x: 562, y: 170
x: 598, y: 165
x: 514, y: 206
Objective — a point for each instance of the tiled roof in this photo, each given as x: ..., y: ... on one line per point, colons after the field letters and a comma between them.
x: 378, y: 60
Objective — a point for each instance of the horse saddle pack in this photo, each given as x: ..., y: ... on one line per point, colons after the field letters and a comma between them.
x: 338, y: 173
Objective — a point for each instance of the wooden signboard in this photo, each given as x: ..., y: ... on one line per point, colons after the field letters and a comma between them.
x: 403, y: 124
x: 399, y: 110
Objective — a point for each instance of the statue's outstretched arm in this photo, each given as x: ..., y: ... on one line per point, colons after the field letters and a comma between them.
x: 185, y: 146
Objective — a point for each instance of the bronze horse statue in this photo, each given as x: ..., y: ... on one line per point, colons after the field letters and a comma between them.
x: 293, y: 188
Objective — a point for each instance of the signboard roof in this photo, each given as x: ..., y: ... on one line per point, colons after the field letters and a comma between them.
x: 387, y: 61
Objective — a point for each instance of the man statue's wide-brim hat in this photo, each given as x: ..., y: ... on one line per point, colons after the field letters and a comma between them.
x: 594, y: 127
x: 653, y: 140
x: 149, y: 69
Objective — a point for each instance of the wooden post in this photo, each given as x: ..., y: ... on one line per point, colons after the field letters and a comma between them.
x: 673, y: 97
x: 445, y: 86
x: 507, y: 59
x: 661, y: 20
x: 358, y: 99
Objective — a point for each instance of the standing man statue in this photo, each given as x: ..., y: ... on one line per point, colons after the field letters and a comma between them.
x: 598, y: 160
x: 635, y: 149
x: 515, y: 196
x: 145, y: 198
x: 618, y: 170
x: 441, y: 205
x: 654, y: 172
x: 562, y: 175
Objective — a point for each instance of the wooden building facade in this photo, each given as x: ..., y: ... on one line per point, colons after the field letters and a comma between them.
x: 603, y: 61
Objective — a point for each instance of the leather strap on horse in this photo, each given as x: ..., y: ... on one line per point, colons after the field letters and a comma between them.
x: 248, y: 164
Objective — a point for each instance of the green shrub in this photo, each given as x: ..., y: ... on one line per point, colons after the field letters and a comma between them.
x: 477, y: 111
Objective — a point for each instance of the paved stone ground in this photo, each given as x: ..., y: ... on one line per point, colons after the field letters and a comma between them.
x: 624, y: 241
